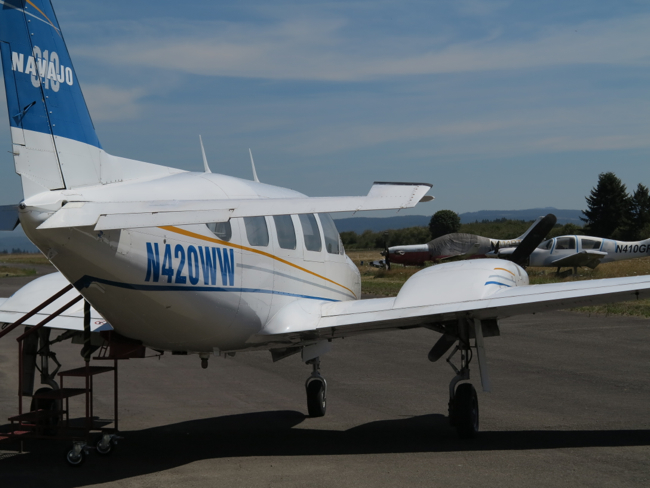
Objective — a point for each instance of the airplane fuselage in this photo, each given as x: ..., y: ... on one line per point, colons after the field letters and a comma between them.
x: 193, y: 288
x: 604, y: 250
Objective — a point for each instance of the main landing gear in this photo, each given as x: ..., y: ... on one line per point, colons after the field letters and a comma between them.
x: 316, y: 387
x: 463, y: 401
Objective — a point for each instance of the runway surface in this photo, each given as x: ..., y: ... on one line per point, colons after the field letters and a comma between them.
x: 570, y: 407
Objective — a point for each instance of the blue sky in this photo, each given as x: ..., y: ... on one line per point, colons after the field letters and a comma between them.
x: 498, y: 104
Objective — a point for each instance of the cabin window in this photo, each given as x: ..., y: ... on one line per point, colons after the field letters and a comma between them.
x: 222, y: 230
x: 311, y: 232
x: 546, y: 244
x: 565, y: 243
x: 256, y: 231
x: 332, y: 242
x: 286, y: 232
x: 590, y: 243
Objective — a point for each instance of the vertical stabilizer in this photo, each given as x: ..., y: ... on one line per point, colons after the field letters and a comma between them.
x: 54, y: 141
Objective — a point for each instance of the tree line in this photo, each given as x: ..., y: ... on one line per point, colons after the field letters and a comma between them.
x: 611, y: 213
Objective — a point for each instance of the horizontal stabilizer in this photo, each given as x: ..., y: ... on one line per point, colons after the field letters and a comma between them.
x: 39, y: 290
x: 129, y: 215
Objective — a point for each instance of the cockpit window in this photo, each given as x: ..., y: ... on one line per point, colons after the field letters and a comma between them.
x: 311, y: 232
x: 222, y: 230
x: 546, y: 244
x: 285, y: 230
x: 256, y: 231
x: 565, y: 243
x: 589, y: 243
x: 331, y: 234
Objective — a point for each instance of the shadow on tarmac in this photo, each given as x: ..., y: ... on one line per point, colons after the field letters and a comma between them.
x: 274, y: 434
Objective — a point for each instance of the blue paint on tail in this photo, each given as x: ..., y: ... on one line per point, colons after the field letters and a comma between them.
x: 43, y: 93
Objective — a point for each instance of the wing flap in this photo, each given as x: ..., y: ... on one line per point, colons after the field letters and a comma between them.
x: 126, y: 215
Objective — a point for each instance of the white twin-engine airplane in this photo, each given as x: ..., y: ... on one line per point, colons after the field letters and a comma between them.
x: 223, y: 265
x: 588, y: 251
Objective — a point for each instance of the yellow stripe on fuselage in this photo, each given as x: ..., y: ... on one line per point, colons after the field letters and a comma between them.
x: 506, y: 270
x: 249, y: 249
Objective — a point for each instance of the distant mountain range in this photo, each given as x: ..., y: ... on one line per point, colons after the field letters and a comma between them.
x: 378, y: 224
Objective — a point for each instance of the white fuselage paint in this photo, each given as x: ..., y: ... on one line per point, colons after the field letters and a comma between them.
x: 204, y: 305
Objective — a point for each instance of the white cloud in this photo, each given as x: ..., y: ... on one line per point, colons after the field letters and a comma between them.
x: 108, y: 103
x: 324, y: 49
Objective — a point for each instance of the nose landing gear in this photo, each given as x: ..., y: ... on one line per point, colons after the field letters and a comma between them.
x: 316, y: 388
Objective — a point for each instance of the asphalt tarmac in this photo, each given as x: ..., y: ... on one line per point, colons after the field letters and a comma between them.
x: 569, y: 407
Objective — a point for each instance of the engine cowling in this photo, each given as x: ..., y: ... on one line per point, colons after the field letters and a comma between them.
x: 460, y: 281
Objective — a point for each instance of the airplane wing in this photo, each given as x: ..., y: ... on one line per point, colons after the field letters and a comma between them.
x: 129, y: 215
x: 590, y: 259
x: 308, y: 321
x: 36, y: 292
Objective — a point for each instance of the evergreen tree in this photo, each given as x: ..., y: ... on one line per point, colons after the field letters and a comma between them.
x: 608, y: 205
x: 444, y: 222
x: 638, y: 215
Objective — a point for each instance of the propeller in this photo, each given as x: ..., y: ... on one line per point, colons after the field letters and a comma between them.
x: 385, y: 252
x: 534, y: 238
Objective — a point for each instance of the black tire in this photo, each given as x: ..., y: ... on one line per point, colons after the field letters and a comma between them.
x: 47, y: 425
x: 465, y: 411
x: 104, y: 451
x: 452, y: 413
x: 316, y: 398
x: 73, y: 461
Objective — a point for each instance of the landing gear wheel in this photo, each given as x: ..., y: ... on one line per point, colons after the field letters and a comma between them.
x: 316, y: 398
x: 75, y: 459
x: 48, y: 424
x: 464, y: 411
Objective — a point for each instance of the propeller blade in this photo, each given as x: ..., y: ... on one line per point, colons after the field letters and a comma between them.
x: 534, y: 238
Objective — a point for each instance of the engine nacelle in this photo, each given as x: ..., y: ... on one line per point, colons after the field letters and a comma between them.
x: 460, y: 281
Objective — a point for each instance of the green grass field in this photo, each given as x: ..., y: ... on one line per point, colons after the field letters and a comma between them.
x: 12, y: 265
x: 12, y: 271
x: 33, y: 258
x: 381, y: 282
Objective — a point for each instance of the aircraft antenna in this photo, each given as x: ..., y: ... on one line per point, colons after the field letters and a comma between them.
x: 205, y: 160
x: 253, y: 165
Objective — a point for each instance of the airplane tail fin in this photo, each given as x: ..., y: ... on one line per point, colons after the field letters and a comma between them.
x: 54, y: 141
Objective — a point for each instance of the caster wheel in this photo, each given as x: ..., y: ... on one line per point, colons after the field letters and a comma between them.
x: 465, y: 411
x: 104, y: 448
x: 316, y: 398
x: 75, y: 460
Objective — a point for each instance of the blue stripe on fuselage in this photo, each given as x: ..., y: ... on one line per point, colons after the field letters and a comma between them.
x: 88, y: 280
